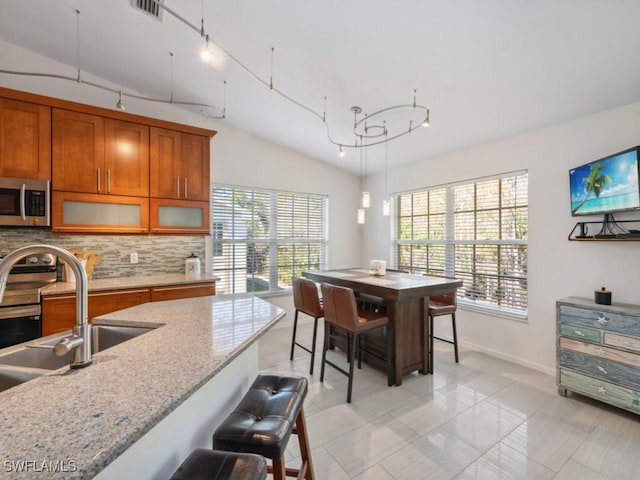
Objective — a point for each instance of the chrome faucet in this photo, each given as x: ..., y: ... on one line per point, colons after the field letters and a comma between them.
x: 80, y: 340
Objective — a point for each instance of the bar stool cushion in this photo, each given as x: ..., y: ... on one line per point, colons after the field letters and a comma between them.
x: 264, y: 419
x: 204, y: 464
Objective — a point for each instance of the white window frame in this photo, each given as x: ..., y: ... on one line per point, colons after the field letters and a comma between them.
x: 234, y: 239
x: 467, y: 296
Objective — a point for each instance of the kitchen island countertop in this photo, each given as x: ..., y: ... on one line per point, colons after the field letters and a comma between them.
x: 91, y: 416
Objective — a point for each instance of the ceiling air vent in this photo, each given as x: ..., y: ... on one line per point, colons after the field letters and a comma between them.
x: 150, y: 7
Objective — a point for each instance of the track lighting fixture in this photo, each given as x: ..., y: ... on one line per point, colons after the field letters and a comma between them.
x: 375, y: 128
x: 120, y: 104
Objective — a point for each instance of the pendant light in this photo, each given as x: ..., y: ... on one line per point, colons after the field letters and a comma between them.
x: 366, y: 196
x: 361, y: 217
x: 386, y: 206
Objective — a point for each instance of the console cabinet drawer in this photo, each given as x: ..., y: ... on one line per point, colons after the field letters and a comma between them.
x: 581, y: 333
x: 600, y: 319
x: 622, y: 341
x: 613, y: 394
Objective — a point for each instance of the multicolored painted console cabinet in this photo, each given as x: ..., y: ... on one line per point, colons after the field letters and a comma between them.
x: 599, y: 351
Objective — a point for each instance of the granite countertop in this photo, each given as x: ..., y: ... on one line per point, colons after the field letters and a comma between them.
x: 92, y: 415
x: 144, y: 281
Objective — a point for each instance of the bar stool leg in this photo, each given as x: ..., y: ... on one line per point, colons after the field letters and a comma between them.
x: 352, y: 360
x: 293, y: 338
x: 390, y: 375
x: 431, y: 344
x: 325, y: 347
x: 313, y: 345
x: 305, y: 449
x: 277, y: 469
x: 455, y: 335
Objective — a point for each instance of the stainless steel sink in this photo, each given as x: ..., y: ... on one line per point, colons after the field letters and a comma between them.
x: 21, y: 363
x: 107, y: 336
x: 33, y: 357
x: 12, y: 376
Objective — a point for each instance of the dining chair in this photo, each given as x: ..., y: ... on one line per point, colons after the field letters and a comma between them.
x: 307, y: 301
x: 439, y: 305
x: 341, y: 310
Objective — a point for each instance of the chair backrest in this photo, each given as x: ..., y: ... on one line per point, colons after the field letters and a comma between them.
x: 448, y: 298
x: 305, y: 296
x: 340, y: 306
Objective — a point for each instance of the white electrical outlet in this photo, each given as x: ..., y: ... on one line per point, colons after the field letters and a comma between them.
x: 133, y: 257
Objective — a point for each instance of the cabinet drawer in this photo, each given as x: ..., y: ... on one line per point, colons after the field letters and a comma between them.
x: 612, y: 322
x: 601, y: 351
x: 604, y: 391
x: 601, y: 368
x: 175, y: 292
x: 622, y: 341
x: 580, y: 333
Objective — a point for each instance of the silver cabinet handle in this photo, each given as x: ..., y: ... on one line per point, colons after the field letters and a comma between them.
x: 23, y: 210
x: 108, y: 180
x: 98, y: 180
x: 178, y: 184
x: 186, y: 188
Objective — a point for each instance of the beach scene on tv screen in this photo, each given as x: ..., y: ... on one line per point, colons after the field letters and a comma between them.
x: 607, y: 185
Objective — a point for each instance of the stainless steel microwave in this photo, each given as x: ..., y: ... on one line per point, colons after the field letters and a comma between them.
x: 24, y: 202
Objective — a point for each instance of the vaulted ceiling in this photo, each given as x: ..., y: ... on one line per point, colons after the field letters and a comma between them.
x: 486, y: 69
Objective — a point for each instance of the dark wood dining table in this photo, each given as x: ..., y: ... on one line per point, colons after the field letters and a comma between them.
x: 406, y: 296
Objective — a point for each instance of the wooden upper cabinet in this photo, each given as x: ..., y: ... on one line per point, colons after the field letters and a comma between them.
x: 195, y: 166
x: 126, y: 159
x: 93, y: 154
x: 78, y: 152
x: 25, y: 140
x: 179, y: 164
x: 164, y: 158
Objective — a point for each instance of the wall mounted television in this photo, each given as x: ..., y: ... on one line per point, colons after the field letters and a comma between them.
x: 606, y: 185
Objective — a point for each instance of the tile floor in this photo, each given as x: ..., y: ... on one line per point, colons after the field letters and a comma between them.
x: 483, y: 418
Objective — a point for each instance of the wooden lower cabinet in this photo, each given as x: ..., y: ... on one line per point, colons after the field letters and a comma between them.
x: 174, y: 292
x: 59, y: 311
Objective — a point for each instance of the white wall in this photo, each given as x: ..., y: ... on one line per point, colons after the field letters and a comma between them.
x: 557, y: 267
x: 238, y: 158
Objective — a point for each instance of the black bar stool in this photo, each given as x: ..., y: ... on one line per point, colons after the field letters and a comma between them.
x: 204, y: 464
x: 306, y: 300
x: 264, y: 420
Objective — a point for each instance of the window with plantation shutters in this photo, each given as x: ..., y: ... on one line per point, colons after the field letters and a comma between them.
x: 262, y: 237
x: 475, y: 231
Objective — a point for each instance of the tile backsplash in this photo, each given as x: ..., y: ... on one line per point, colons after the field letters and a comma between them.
x: 156, y: 254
